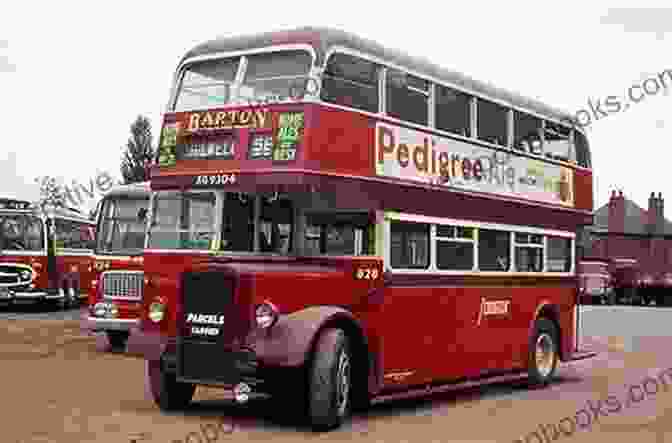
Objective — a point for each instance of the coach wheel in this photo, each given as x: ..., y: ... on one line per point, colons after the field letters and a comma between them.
x: 330, y: 381
x: 117, y: 339
x: 543, y: 353
x: 168, y: 393
x: 69, y: 293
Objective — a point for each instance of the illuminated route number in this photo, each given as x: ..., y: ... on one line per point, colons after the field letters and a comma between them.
x: 214, y: 179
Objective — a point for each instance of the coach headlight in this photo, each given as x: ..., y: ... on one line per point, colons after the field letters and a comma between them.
x: 266, y: 315
x: 99, y: 309
x: 157, y: 310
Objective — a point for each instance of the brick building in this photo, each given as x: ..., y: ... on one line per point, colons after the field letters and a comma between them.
x: 622, y: 229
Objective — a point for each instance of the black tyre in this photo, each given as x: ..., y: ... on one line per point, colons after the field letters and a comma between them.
x: 117, y: 339
x: 543, y: 353
x: 330, y: 381
x: 167, y: 392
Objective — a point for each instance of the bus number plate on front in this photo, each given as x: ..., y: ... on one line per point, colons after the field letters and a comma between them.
x: 214, y: 179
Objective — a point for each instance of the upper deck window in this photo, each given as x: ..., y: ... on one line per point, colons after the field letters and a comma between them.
x: 207, y: 84
x: 492, y: 122
x: 275, y: 75
x: 19, y: 232
x: 582, y: 151
x: 407, y: 97
x: 351, y: 81
x: 122, y: 225
x: 557, y: 144
x: 527, y: 131
x: 453, y: 111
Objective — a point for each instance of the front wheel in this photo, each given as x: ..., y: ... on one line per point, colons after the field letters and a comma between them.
x: 167, y: 392
x: 543, y: 353
x: 330, y: 382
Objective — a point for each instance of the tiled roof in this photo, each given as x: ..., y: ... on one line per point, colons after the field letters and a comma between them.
x: 635, y: 219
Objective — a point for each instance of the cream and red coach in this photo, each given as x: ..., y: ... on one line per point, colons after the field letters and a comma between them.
x: 361, y: 241
x: 45, y: 256
x: 115, y: 299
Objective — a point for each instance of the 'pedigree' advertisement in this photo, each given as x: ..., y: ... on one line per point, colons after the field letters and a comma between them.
x: 413, y: 155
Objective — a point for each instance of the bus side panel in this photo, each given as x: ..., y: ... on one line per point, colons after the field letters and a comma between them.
x: 339, y: 141
x: 72, y: 268
x: 416, y: 329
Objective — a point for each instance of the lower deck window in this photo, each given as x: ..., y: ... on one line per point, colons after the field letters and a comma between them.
x: 409, y: 245
x: 529, y: 259
x: 493, y: 250
x: 454, y: 256
x: 559, y: 254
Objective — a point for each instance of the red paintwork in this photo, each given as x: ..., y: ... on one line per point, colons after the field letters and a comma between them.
x: 427, y: 325
x: 101, y: 263
x: 334, y: 142
x: 69, y: 268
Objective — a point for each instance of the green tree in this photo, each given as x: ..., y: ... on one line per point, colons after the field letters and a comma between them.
x: 52, y: 193
x: 139, y: 153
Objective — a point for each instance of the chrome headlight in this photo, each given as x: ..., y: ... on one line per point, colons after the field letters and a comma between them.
x: 26, y: 275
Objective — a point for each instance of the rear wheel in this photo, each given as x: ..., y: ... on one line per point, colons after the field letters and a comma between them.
x: 330, y: 381
x: 167, y: 392
x: 543, y: 353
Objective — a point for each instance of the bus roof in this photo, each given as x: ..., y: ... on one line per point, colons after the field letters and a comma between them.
x: 141, y: 189
x: 322, y: 39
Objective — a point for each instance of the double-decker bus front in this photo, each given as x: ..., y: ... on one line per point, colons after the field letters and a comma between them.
x: 314, y: 247
x: 116, y: 290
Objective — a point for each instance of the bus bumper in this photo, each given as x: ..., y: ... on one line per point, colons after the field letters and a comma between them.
x: 19, y: 297
x: 96, y: 324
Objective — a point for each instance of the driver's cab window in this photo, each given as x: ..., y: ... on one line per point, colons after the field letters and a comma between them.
x: 237, y: 223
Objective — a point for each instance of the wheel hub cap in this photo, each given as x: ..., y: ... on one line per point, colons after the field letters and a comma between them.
x: 343, y: 383
x: 545, y: 354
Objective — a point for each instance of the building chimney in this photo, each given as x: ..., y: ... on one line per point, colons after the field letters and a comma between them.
x: 616, y: 223
x: 660, y: 215
x: 652, y: 214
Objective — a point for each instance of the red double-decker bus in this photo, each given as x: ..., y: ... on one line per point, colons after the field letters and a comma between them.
x: 116, y: 289
x: 45, y: 255
x: 400, y: 228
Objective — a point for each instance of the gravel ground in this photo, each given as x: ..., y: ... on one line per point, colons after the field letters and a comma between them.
x: 62, y: 386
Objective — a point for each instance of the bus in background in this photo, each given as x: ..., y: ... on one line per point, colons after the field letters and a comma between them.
x: 399, y: 229
x: 116, y: 289
x: 44, y: 256
x: 595, y: 282
x: 628, y: 280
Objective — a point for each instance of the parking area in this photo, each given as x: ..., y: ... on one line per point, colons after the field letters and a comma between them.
x: 60, y: 385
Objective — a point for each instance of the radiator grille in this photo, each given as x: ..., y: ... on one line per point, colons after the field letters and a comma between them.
x: 123, y: 285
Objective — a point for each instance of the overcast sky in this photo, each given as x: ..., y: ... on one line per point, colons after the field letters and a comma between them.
x: 73, y: 78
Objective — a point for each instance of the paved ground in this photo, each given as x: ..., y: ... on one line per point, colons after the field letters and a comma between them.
x: 37, y: 312
x: 60, y: 386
